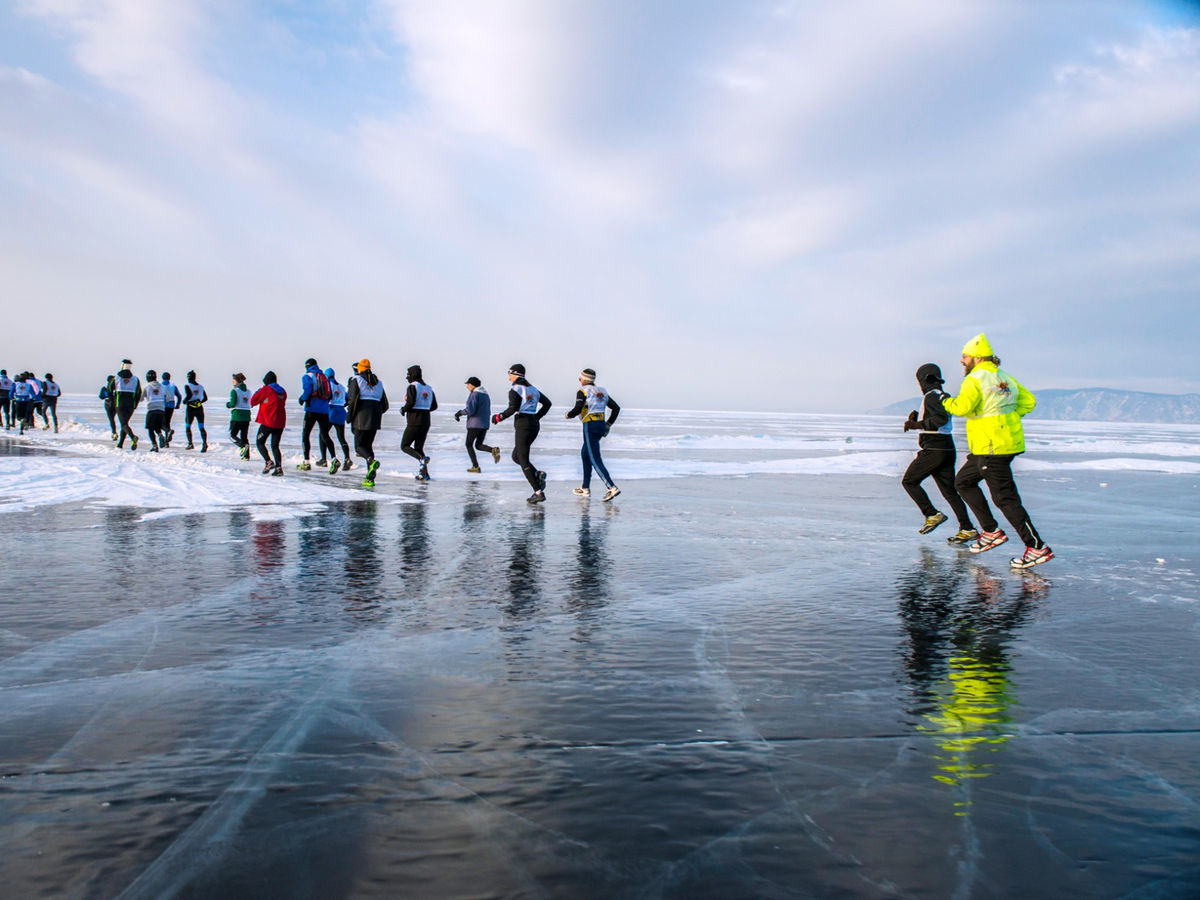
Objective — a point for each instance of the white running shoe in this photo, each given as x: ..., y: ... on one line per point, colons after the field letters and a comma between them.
x: 611, y: 493
x: 582, y: 492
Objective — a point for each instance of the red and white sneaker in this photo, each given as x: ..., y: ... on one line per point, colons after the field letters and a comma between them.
x: 1032, y: 558
x: 988, y: 540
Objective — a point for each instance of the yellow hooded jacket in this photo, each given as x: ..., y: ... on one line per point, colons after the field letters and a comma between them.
x: 993, y: 403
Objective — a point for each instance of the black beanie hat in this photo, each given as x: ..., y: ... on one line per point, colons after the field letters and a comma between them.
x: 474, y: 382
x: 309, y: 363
x: 269, y: 378
x: 929, y: 374
x: 516, y: 369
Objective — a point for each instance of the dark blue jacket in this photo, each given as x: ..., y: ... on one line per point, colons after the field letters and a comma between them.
x: 478, y: 409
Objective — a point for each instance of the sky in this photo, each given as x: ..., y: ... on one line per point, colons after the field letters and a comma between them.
x: 777, y: 206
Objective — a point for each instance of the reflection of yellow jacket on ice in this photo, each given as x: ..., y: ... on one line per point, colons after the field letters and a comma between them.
x: 972, y: 715
x: 993, y: 403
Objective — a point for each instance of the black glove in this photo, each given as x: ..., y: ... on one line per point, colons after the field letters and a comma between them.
x: 458, y: 416
x: 607, y: 429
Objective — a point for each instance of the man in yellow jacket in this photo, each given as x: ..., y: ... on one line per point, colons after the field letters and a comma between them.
x: 993, y: 403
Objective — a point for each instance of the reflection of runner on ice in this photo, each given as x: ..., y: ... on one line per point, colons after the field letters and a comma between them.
x: 935, y: 458
x: 993, y: 403
x: 529, y: 405
x: 591, y: 403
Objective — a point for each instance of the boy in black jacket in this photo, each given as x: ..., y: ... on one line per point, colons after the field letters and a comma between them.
x: 936, y: 457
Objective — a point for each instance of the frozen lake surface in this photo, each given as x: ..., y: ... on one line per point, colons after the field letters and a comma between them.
x: 747, y: 677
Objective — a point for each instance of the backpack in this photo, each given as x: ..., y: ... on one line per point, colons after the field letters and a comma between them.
x: 320, y: 389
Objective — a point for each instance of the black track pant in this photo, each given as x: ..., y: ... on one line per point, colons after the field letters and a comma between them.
x: 940, y: 465
x: 274, y: 434
x: 340, y: 429
x: 6, y: 410
x: 111, y: 412
x: 239, y: 433
x: 50, y: 405
x: 364, y: 444
x: 997, y: 472
x: 324, y: 442
x: 167, y: 413
x: 525, y: 432
x: 124, y: 414
x: 20, y: 410
x: 475, y: 438
x: 416, y: 430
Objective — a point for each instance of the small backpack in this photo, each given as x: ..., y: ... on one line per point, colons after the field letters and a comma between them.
x: 321, y: 389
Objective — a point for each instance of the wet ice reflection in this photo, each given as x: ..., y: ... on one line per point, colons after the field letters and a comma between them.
x: 777, y: 694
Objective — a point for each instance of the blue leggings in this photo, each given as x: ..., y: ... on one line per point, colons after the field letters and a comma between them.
x: 592, y: 433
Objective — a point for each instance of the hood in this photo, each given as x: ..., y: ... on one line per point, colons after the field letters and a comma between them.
x: 124, y: 373
x: 929, y: 376
x: 278, y: 388
x: 414, y: 374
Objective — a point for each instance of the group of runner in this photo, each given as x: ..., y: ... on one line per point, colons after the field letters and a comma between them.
x: 329, y: 406
x: 991, y: 400
x: 25, y: 397
x: 993, y: 403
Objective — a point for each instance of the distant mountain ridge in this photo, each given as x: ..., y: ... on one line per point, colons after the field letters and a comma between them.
x: 1098, y: 405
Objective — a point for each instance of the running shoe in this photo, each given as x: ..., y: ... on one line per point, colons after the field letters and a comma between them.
x: 1032, y: 557
x: 611, y: 493
x: 536, y: 497
x: 348, y: 464
x: 582, y: 492
x: 305, y: 466
x: 474, y: 470
x: 964, y: 536
x: 245, y: 454
x: 267, y: 468
x: 933, y: 522
x: 278, y: 472
x: 334, y: 466
x: 496, y: 454
x: 322, y: 463
x: 988, y: 540
x: 133, y: 443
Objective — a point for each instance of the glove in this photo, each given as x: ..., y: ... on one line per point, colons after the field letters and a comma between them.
x: 458, y: 416
x: 496, y: 419
x: 607, y: 429
x: 910, y: 425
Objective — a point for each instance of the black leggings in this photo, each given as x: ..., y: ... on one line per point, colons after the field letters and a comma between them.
x: 324, y: 442
x: 525, y: 432
x: 124, y: 414
x: 340, y: 428
x: 239, y: 433
x: 413, y: 440
x: 50, y: 405
x: 274, y: 434
x: 6, y: 410
x: 997, y: 472
x: 20, y: 411
x: 111, y: 412
x: 475, y: 438
x: 364, y: 442
x: 167, y: 413
x: 939, y: 464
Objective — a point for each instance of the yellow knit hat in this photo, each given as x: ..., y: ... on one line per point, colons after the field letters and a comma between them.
x: 978, y: 347
x: 364, y: 364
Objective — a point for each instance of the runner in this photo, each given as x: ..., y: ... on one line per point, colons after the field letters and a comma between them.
x: 993, y: 403
x: 366, y: 402
x: 39, y: 389
x: 194, y: 398
x: 529, y: 405
x: 314, y: 397
x: 108, y: 393
x: 6, y: 386
x: 479, y: 418
x: 127, y: 390
x: 271, y: 400
x: 51, y: 392
x: 337, y: 420
x: 419, y: 402
x: 156, y: 399
x: 935, y: 457
x: 591, y: 402
x: 22, y: 401
x: 239, y: 416
x: 174, y: 399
